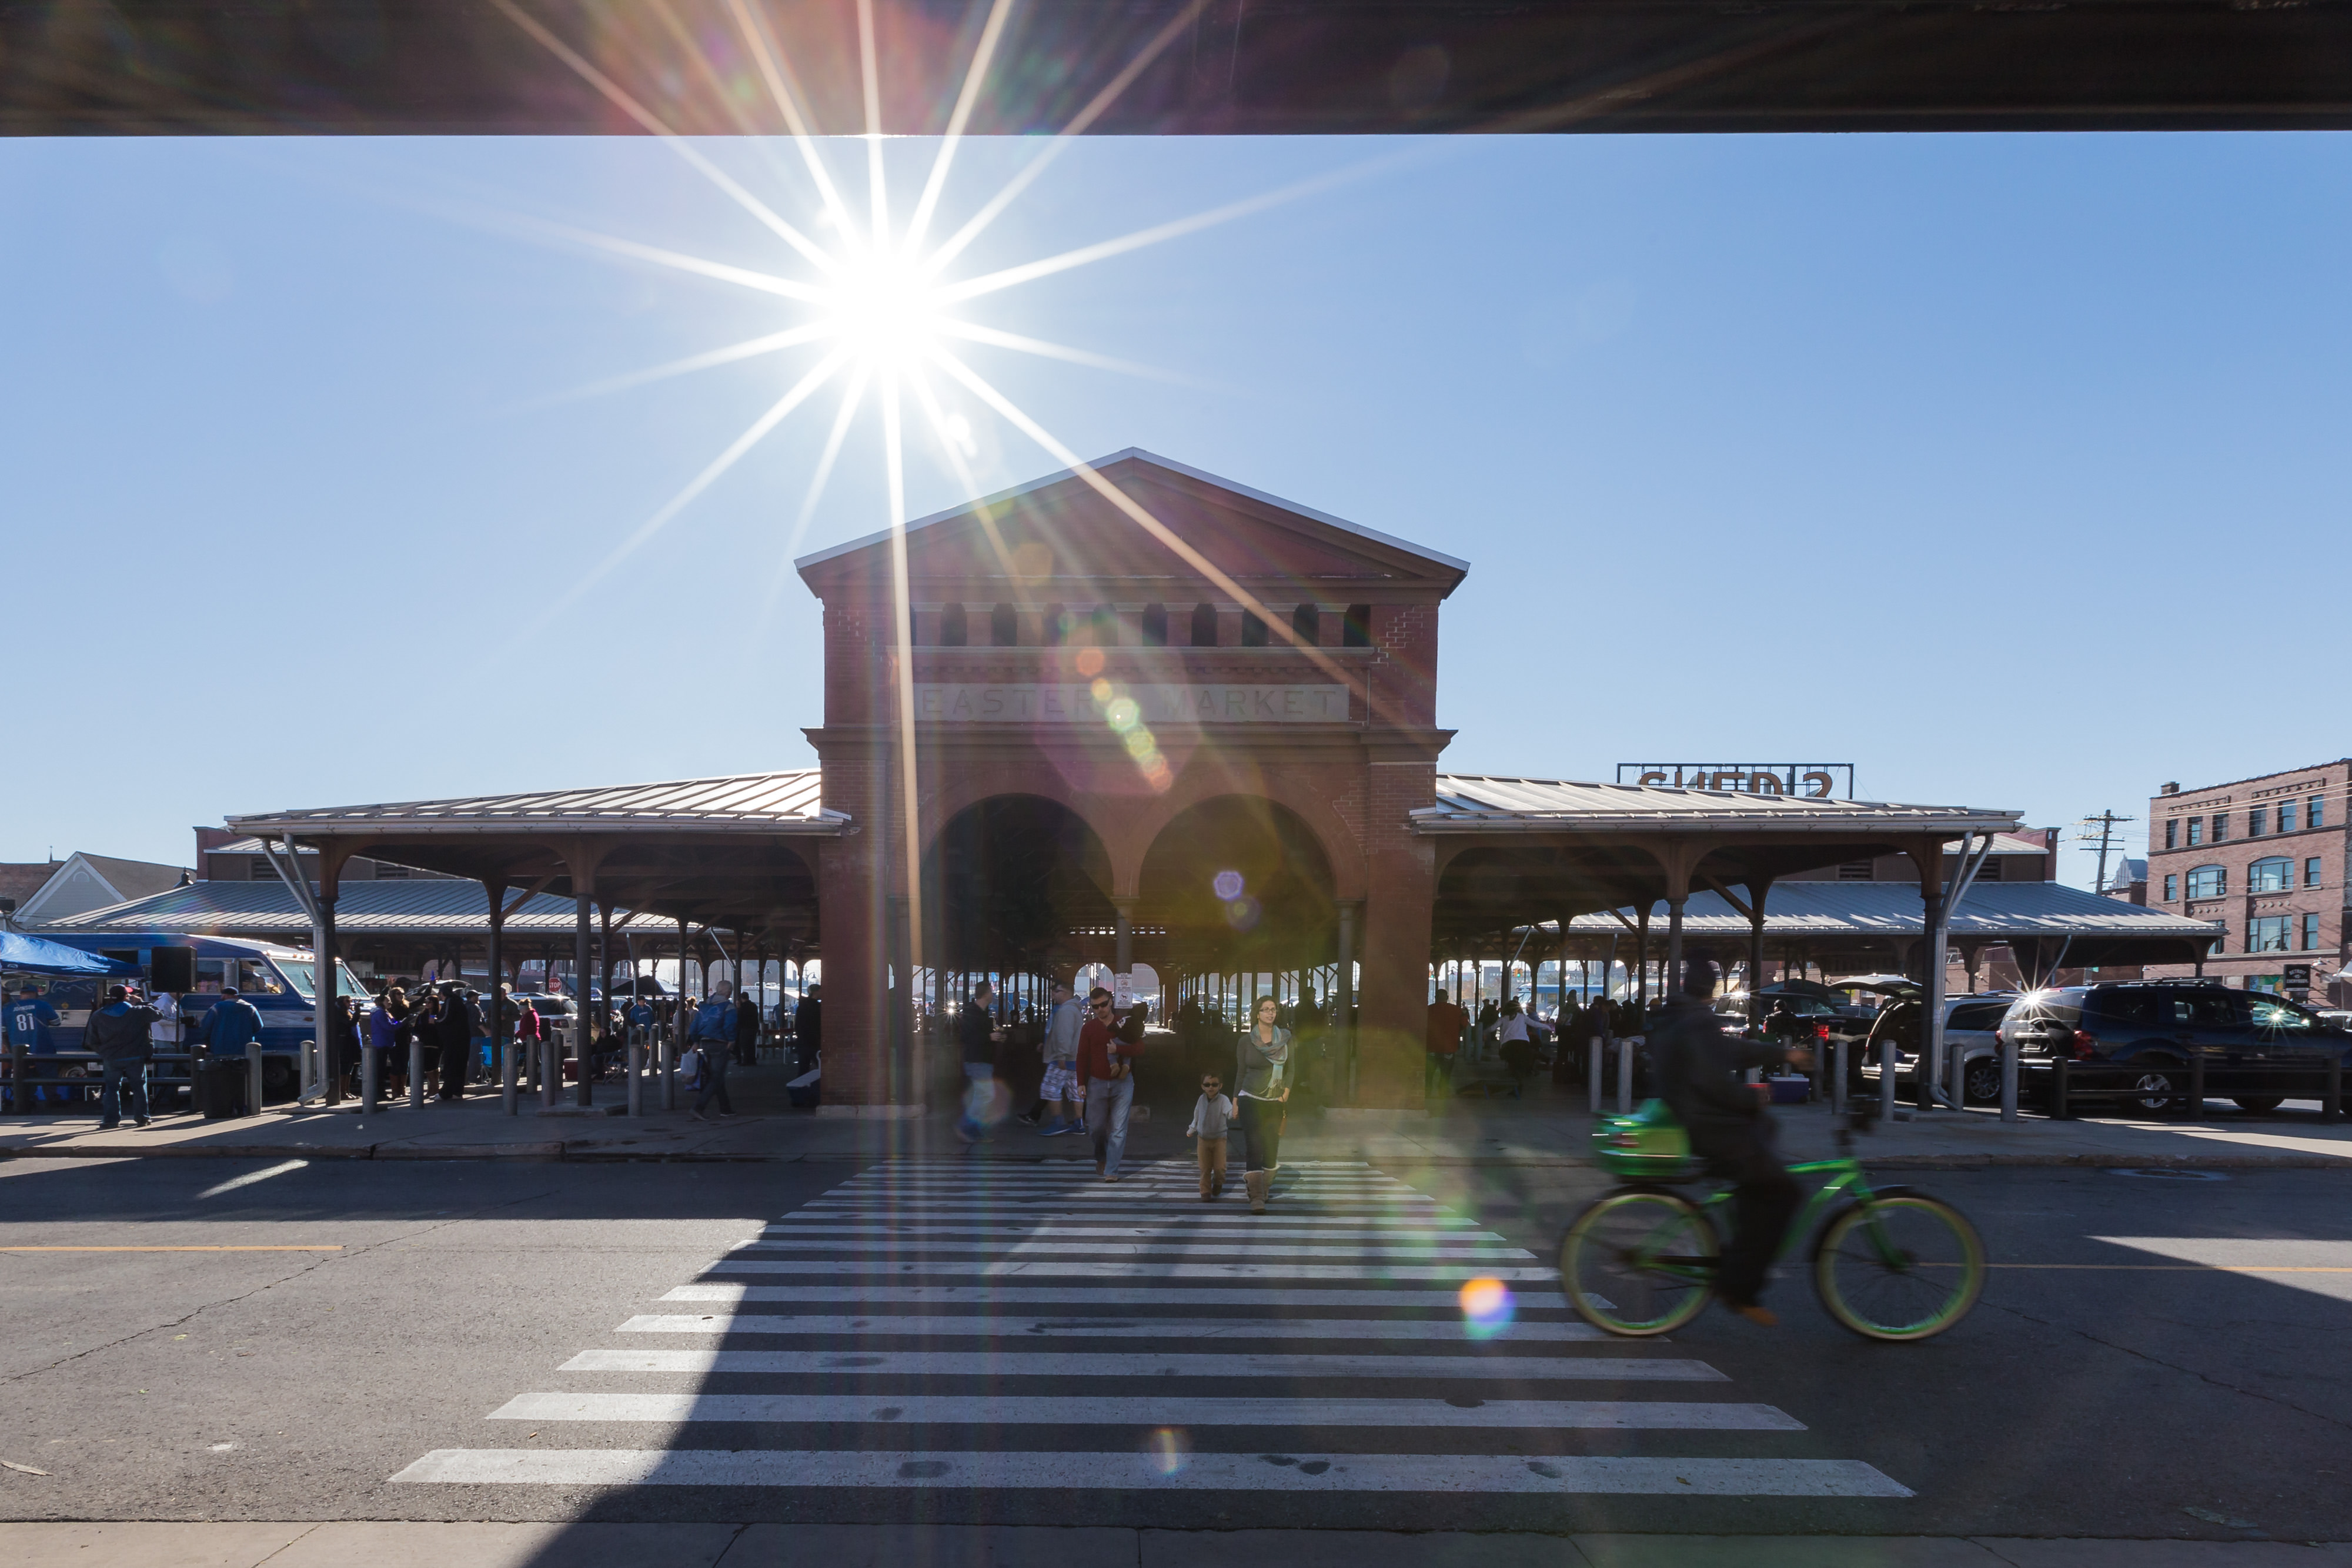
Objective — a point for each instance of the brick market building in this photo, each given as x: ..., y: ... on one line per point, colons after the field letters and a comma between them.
x: 2266, y: 857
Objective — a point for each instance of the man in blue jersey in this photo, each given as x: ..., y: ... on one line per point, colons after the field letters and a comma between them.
x: 30, y: 1018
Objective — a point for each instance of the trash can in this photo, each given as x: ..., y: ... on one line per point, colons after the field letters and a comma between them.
x: 217, y: 1090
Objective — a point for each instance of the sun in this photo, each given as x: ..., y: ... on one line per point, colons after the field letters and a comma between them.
x: 885, y: 311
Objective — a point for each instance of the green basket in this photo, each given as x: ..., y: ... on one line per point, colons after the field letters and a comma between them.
x: 1648, y: 1145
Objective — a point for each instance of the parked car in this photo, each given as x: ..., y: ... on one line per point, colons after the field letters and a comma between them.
x: 1972, y: 1028
x: 2161, y: 1025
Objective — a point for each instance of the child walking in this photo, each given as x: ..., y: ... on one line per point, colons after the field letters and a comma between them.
x: 1210, y: 1117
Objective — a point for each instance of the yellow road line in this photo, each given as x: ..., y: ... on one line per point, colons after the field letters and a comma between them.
x: 334, y: 1248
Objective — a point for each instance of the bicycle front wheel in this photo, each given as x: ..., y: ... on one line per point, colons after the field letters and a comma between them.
x: 1638, y: 1263
x: 1900, y: 1267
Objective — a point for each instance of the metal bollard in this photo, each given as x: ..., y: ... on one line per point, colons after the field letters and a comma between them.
x: 1886, y: 1080
x: 509, y: 1070
x: 2008, y: 1079
x: 1594, y: 1050
x: 668, y: 1072
x: 253, y: 1078
x: 370, y: 1077
x: 1837, y: 1075
x: 636, y: 1072
x: 551, y: 1069
x: 1625, y: 1076
x: 2331, y: 1102
x: 2062, y: 1069
x: 416, y: 1074
x: 1925, y: 1069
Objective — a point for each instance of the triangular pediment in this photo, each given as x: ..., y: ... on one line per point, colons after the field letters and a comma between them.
x: 1061, y: 530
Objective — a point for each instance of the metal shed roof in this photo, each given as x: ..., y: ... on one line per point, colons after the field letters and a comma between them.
x: 786, y: 802
x: 431, y: 907
x: 1866, y: 910
x: 1479, y: 803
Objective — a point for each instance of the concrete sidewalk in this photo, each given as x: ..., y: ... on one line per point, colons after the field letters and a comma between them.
x: 1547, y: 1128
x: 490, y: 1545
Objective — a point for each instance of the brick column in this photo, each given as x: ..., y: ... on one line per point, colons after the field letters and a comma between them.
x: 1400, y: 894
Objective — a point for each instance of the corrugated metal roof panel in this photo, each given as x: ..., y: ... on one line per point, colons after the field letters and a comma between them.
x: 787, y: 802
x: 1833, y: 909
x: 434, y: 906
x: 1470, y: 802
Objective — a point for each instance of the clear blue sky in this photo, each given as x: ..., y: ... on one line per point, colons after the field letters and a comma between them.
x: 2010, y: 469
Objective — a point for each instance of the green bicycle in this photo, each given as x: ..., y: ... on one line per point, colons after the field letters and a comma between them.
x: 1890, y: 1264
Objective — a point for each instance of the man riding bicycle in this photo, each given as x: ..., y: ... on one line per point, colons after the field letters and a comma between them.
x: 1699, y: 1069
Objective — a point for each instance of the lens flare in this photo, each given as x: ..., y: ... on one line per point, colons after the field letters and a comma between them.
x: 1090, y: 659
x: 1488, y: 1308
x: 1168, y: 1449
x: 1227, y: 886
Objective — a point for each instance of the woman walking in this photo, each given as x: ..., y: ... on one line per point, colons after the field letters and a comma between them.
x: 1261, y: 1088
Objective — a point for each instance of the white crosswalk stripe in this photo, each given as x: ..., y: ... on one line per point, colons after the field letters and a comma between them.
x: 962, y: 1325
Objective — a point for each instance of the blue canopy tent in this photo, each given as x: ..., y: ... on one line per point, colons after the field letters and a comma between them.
x: 23, y: 955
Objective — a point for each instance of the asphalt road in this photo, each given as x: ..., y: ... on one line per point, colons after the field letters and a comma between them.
x: 2113, y: 1380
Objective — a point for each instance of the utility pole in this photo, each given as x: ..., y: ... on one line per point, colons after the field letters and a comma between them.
x: 2105, y: 836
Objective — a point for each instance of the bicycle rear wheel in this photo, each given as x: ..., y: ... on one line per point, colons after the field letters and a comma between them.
x: 1900, y: 1267
x: 1638, y: 1262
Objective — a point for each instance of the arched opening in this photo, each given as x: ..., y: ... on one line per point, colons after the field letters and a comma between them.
x: 1057, y: 626
x: 952, y: 627
x: 1204, y: 625
x: 1102, y: 627
x: 1356, y: 629
x: 1253, y: 630
x: 1240, y: 883
x: 1007, y: 883
x: 1155, y: 626
x: 1307, y: 623
x: 1005, y: 627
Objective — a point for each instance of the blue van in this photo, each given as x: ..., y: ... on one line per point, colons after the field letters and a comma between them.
x: 278, y: 981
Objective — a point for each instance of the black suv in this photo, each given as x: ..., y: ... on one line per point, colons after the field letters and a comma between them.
x: 2162, y: 1025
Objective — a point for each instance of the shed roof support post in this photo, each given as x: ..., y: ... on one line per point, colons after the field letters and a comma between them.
x: 1756, y: 890
x: 1928, y: 854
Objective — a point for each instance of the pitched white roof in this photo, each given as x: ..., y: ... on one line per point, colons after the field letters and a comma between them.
x: 747, y: 802
x: 1482, y: 803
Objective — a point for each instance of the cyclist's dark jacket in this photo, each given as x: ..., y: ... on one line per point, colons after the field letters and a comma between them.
x: 1698, y: 1066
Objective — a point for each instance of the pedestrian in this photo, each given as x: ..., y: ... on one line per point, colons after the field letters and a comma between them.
x: 528, y: 1037
x: 1107, y: 1066
x: 117, y: 1034
x: 808, y: 1028
x: 1211, y: 1115
x: 712, y: 1034
x: 342, y: 1038
x: 31, y: 1020
x: 1262, y: 1085
x: 456, y: 1039
x: 1699, y: 1070
x: 1519, y: 1047
x: 385, y: 1026
x: 1441, y: 1042
x: 1567, y: 1030
x: 977, y: 1038
x: 1061, y: 1087
x: 747, y: 1030
x: 232, y: 1029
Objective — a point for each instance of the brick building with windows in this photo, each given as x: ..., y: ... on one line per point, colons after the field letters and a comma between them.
x: 2267, y: 858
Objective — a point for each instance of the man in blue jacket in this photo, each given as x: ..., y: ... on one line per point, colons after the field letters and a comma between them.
x: 117, y: 1034
x: 713, y: 1034
x: 31, y: 1021
x: 232, y: 1029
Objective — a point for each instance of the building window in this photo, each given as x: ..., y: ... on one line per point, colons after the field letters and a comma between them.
x: 1155, y: 625
x: 1990, y: 869
x: 1356, y: 631
x: 2286, y: 816
x: 1057, y: 626
x: 2268, y: 934
x: 2208, y: 881
x: 2314, y: 812
x: 2311, y: 933
x: 2275, y: 874
x: 2172, y: 833
x: 2257, y: 821
x: 952, y: 627
x: 1204, y: 625
x: 2196, y: 831
x: 1253, y: 631
x: 2220, y: 826
x: 1003, y: 627
x: 1102, y: 627
x: 1307, y: 623
x: 2311, y: 872
x: 2222, y: 942
x: 2171, y: 888
x: 1854, y: 870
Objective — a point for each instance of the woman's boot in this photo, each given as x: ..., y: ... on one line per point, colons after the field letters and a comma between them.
x: 1257, y: 1181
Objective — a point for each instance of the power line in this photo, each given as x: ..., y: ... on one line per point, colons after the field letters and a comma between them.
x: 2105, y: 823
